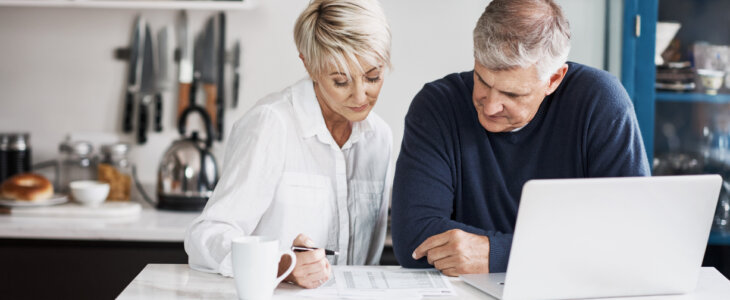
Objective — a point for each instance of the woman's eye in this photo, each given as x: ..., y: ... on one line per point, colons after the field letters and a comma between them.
x: 340, y: 83
x: 373, y: 79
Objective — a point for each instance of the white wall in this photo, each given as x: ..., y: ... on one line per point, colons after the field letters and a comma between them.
x: 58, y: 75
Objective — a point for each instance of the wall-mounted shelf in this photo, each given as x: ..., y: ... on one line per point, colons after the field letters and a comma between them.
x: 691, y: 97
x: 135, y: 4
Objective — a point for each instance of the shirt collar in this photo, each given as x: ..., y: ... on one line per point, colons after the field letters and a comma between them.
x: 309, y: 114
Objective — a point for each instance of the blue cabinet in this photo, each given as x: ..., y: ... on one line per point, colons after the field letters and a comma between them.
x: 637, y: 67
x: 691, y: 126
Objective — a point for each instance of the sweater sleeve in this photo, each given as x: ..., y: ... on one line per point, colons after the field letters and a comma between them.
x: 424, y: 185
x: 614, y: 144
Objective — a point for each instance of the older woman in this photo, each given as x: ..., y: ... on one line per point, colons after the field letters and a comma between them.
x: 308, y: 164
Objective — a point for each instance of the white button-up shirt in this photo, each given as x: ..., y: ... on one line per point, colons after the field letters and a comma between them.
x: 284, y: 174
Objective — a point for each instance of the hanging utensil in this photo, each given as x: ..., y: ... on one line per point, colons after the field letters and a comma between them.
x: 208, y: 68
x: 185, y: 74
x: 148, y: 89
x: 220, y: 102
x: 134, y: 74
x: 236, y: 71
x: 164, y: 55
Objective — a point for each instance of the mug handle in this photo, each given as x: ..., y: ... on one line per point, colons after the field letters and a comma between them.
x: 290, y: 269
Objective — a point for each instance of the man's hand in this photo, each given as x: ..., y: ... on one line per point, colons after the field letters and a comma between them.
x: 456, y: 252
x: 312, y: 268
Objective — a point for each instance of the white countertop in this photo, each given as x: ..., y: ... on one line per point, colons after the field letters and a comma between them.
x: 150, y: 225
x: 178, y: 281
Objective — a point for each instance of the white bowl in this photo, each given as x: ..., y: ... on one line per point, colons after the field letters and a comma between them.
x: 711, y: 80
x: 89, y: 192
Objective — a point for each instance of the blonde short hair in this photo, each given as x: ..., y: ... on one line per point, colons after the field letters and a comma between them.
x: 335, y: 33
x: 522, y: 33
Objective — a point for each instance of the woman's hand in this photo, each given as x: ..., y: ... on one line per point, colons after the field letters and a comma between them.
x: 312, y: 268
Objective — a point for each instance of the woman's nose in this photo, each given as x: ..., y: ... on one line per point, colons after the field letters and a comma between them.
x: 359, y: 93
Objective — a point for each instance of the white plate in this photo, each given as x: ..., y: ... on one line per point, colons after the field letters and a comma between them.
x: 55, y: 199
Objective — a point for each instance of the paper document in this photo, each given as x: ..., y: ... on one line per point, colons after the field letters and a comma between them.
x: 383, y: 283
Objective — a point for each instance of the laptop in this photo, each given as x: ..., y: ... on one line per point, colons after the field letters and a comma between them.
x: 607, y: 237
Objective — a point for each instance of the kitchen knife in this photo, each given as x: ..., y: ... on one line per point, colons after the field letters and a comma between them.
x: 147, y: 85
x: 236, y: 71
x: 220, y: 102
x: 164, y: 55
x: 208, y: 69
x: 164, y: 58
x: 197, y: 61
x: 185, y: 72
x: 133, y: 76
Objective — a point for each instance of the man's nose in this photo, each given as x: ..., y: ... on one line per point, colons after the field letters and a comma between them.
x: 492, y: 103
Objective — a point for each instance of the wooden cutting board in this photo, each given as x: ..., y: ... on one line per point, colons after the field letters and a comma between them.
x: 74, y: 210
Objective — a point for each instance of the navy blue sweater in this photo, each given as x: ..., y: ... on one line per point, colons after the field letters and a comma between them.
x: 453, y: 174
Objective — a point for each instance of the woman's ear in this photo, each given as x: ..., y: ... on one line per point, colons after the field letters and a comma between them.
x: 304, y: 61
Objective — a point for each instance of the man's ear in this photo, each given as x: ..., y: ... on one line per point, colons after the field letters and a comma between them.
x: 556, y: 79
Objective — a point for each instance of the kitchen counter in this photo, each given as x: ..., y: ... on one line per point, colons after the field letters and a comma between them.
x: 86, y: 257
x: 178, y: 281
x: 150, y: 225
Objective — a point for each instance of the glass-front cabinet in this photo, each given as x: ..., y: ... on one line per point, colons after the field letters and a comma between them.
x: 676, y: 68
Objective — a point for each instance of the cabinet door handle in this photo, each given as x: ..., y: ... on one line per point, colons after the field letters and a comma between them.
x: 638, y: 26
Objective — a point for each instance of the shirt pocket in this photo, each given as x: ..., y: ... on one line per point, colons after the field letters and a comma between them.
x: 303, y: 204
x: 367, y: 197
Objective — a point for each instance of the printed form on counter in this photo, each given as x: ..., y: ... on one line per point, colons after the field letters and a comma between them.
x: 366, y: 282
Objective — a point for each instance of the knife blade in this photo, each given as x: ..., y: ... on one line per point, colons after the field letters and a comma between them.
x: 147, y: 85
x: 197, y: 61
x: 185, y: 73
x: 208, y: 69
x: 164, y: 54
x: 133, y: 76
x: 164, y: 58
x: 236, y: 71
x: 220, y: 100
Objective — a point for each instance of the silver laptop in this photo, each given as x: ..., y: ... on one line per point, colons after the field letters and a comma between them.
x: 607, y: 237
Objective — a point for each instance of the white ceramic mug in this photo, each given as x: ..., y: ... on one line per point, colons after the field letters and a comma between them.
x: 255, y: 264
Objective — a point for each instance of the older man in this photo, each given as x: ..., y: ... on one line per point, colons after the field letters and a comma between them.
x: 473, y: 139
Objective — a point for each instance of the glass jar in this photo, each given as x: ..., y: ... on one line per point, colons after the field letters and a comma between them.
x: 116, y: 170
x: 15, y: 155
x: 76, y: 163
x: 4, y: 143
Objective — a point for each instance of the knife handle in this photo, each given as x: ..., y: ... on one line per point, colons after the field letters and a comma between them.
x: 236, y: 77
x: 211, y: 93
x: 219, y: 120
x: 158, y: 112
x: 183, y: 98
x: 142, y: 125
x: 128, y: 107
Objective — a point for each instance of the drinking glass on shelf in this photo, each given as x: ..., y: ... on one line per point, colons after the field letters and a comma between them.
x: 721, y: 221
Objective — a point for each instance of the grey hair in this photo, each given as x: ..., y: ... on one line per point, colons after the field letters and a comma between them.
x: 335, y: 33
x: 521, y: 33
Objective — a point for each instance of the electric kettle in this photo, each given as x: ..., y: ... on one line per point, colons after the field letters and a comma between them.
x: 188, y: 172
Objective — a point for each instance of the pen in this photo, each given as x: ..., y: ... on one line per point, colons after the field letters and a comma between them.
x: 326, y: 251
